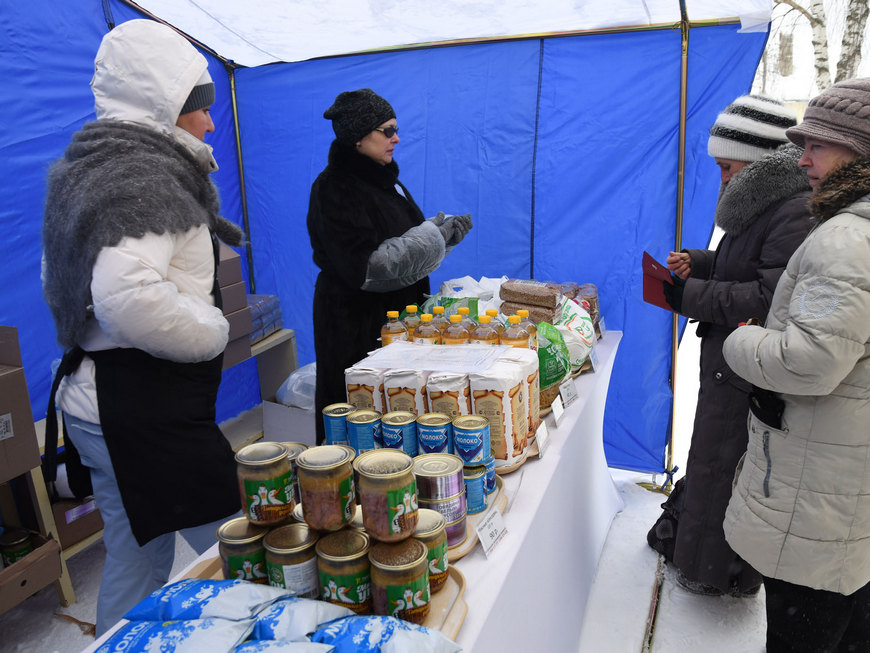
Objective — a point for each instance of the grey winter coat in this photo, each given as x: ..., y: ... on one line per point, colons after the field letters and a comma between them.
x: 764, y: 214
x: 800, y: 511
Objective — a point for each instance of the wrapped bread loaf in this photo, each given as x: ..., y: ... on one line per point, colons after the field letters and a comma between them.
x: 536, y: 313
x: 529, y: 292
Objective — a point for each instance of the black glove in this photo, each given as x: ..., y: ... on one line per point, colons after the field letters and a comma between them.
x: 674, y: 293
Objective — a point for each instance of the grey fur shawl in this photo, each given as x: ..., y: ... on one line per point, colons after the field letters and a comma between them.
x: 762, y: 183
x: 115, y: 180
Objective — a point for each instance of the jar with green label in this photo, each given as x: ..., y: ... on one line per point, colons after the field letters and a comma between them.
x: 240, y: 544
x: 292, y: 561
x: 432, y: 531
x: 400, y: 579
x: 14, y: 544
x: 265, y: 482
x: 388, y: 494
x: 327, y: 488
x: 343, y: 567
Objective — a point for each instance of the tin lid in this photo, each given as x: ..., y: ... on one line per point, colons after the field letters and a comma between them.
x: 294, y: 449
x: 261, y: 453
x: 470, y: 422
x: 342, y: 546
x: 240, y: 531
x: 338, y: 410
x: 383, y: 463
x: 473, y: 471
x: 12, y: 536
x: 291, y: 538
x: 363, y: 416
x: 298, y: 515
x: 429, y: 522
x: 350, y: 450
x: 327, y: 456
x: 434, y: 419
x: 399, y: 555
x: 399, y: 418
x: 433, y: 465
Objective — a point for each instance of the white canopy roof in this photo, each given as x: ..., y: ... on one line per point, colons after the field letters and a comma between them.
x: 265, y: 31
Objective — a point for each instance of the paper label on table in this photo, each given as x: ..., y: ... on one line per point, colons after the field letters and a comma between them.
x: 601, y: 326
x: 542, y: 437
x: 593, y: 358
x: 568, y: 390
x: 491, y: 530
x: 558, y: 409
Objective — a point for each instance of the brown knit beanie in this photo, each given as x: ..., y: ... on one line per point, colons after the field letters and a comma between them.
x: 839, y: 115
x: 356, y: 113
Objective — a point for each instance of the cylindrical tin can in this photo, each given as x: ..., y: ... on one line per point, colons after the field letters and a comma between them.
x: 489, y: 483
x: 399, y: 431
x: 452, y: 508
x: 265, y: 476
x: 14, y: 544
x: 388, y: 494
x: 400, y: 579
x: 435, y: 433
x: 471, y: 438
x: 475, y: 488
x: 240, y: 544
x: 291, y: 560
x: 335, y: 423
x: 326, y: 483
x: 439, y: 475
x: 431, y: 531
x: 293, y: 451
x: 343, y: 565
x: 456, y: 532
x: 364, y: 430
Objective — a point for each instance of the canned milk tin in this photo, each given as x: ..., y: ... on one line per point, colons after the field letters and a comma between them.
x: 489, y: 484
x: 471, y: 438
x: 335, y: 422
x: 439, y: 475
x: 364, y: 430
x: 475, y: 490
x: 435, y: 433
x: 399, y: 431
x: 453, y: 508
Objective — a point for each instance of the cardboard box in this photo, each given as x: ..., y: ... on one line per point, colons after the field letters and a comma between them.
x: 240, y: 323
x: 234, y: 296
x: 30, y: 574
x: 237, y: 351
x: 19, y: 451
x: 230, y: 268
x: 76, y: 520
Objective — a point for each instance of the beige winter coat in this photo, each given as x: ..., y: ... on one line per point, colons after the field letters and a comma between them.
x: 800, y: 509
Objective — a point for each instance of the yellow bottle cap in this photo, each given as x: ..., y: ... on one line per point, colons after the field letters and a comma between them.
x: 456, y: 317
x: 462, y: 310
x: 491, y: 312
x: 392, y: 313
x: 437, y: 310
x: 523, y: 312
x: 514, y: 319
x: 484, y: 319
x: 426, y: 317
x: 410, y: 308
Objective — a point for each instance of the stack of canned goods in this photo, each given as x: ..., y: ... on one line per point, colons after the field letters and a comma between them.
x: 472, y: 444
x: 442, y: 489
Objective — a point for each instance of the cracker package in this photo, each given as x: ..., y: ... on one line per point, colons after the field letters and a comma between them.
x: 554, y: 362
x: 527, y: 359
x: 365, y: 388
x: 448, y: 393
x: 498, y: 394
x: 405, y: 389
x: 529, y: 291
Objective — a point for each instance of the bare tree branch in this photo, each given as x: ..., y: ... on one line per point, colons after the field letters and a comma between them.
x: 810, y: 17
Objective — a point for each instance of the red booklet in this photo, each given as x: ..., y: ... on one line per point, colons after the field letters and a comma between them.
x: 653, y: 275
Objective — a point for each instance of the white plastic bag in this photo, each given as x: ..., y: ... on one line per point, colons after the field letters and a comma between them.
x: 298, y: 389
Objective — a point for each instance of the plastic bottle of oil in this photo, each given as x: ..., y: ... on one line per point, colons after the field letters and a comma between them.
x: 529, y: 326
x: 466, y: 318
x: 438, y: 318
x: 456, y: 333
x: 426, y: 331
x: 411, y: 318
x: 515, y: 335
x: 495, y: 321
x: 393, y: 330
x: 484, y: 333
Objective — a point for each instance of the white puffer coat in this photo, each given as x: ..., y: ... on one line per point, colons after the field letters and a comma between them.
x: 800, y: 509
x: 154, y: 292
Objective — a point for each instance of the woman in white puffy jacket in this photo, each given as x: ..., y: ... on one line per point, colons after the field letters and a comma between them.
x: 130, y: 259
x: 800, y: 508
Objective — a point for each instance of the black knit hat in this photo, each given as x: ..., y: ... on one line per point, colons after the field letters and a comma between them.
x: 201, y: 96
x: 356, y: 113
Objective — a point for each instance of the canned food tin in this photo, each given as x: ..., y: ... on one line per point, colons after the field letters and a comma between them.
x: 240, y: 544
x: 471, y: 438
x: 475, y: 489
x: 291, y: 560
x: 364, y: 430
x: 335, y: 422
x: 265, y: 477
x: 293, y: 451
x: 489, y: 483
x: 431, y: 531
x: 439, y: 475
x: 452, y: 508
x: 456, y: 532
x: 343, y: 566
x: 388, y: 494
x: 435, y: 433
x: 399, y: 431
x: 326, y: 483
x: 14, y: 544
x: 400, y: 579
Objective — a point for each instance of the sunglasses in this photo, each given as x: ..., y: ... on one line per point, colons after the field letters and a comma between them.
x: 389, y: 132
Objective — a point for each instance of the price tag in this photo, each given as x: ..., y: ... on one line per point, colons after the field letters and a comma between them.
x: 568, y: 391
x: 601, y: 326
x: 558, y: 409
x: 542, y: 437
x: 491, y: 530
x: 593, y: 357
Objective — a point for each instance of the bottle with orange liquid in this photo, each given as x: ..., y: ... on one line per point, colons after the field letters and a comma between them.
x: 515, y: 335
x: 529, y: 326
x: 412, y: 320
x: 426, y: 331
x: 455, y: 333
x: 466, y: 318
x: 495, y: 321
x: 438, y: 318
x: 484, y: 333
x: 393, y: 330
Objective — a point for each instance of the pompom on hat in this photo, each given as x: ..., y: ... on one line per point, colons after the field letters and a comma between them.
x: 356, y: 113
x: 839, y: 115
x: 750, y: 128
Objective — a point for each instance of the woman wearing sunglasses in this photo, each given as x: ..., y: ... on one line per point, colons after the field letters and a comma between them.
x: 371, y: 242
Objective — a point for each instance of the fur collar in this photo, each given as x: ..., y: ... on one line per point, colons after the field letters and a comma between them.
x: 762, y: 183
x: 842, y: 187
x: 346, y: 158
